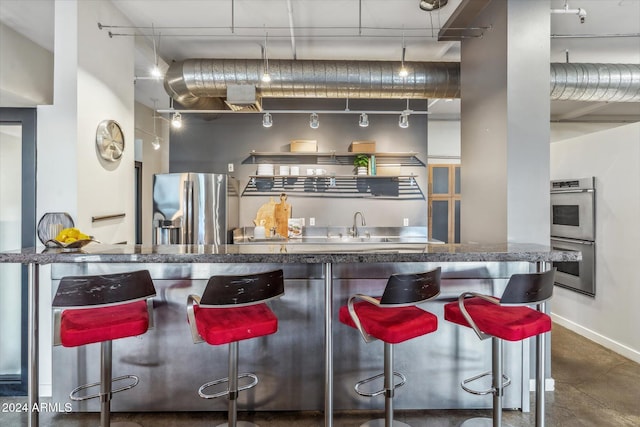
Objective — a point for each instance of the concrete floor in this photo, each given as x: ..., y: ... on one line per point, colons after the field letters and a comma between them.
x: 593, y: 387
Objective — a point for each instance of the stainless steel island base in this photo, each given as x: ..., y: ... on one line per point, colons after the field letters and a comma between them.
x: 291, y: 364
x: 160, y: 358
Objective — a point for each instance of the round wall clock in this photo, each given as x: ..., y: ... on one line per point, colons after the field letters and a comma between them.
x: 109, y: 140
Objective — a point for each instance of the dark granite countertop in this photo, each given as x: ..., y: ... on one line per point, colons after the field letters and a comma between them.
x: 292, y: 253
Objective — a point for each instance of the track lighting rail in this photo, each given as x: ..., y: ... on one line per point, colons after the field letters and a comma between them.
x: 356, y: 112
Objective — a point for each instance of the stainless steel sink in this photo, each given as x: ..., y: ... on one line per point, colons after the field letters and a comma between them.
x: 340, y: 236
x: 342, y: 239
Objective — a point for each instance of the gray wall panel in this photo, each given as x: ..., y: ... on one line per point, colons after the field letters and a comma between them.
x: 207, y: 143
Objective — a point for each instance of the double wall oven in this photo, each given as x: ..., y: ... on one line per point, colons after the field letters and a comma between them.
x: 573, y: 228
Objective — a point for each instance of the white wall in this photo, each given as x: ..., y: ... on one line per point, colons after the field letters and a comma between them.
x: 443, y: 141
x: 93, y: 81
x: 26, y: 71
x: 612, y: 317
x: 567, y: 130
x: 105, y: 79
x: 153, y: 161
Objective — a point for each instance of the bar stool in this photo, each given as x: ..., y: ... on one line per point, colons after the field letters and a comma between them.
x: 231, y: 309
x: 92, y: 309
x: 392, y: 318
x: 505, y: 318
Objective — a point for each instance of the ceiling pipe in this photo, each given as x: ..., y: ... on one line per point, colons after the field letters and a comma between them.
x: 194, y: 78
x: 582, y: 14
x: 195, y: 83
x: 595, y: 82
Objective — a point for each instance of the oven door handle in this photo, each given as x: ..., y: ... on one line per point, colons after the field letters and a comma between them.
x: 581, y: 242
x: 582, y: 190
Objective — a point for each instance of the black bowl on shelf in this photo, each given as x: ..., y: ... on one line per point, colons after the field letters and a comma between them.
x: 264, y: 184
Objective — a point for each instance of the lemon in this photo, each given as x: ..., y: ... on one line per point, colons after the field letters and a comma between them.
x: 70, y: 235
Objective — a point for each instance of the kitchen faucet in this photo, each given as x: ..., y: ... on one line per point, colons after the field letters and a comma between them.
x: 354, y: 229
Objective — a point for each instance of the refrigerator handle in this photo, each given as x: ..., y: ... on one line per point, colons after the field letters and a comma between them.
x: 188, y: 212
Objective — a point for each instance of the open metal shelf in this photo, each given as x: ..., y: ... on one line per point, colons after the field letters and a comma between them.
x: 332, y: 158
x: 336, y: 186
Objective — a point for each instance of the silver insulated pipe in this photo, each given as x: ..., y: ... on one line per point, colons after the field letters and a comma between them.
x: 200, y: 83
x: 595, y: 82
x: 188, y: 80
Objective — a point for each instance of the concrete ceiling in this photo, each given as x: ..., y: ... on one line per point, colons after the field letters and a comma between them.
x: 341, y: 29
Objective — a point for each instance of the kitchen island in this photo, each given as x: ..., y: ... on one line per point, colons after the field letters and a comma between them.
x: 300, y: 366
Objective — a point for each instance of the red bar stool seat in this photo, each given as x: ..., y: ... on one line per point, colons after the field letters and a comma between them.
x: 392, y: 318
x: 232, y: 309
x: 100, y: 309
x: 506, y: 318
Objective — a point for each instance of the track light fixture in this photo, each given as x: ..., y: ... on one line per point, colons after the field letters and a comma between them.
x: 364, y: 120
x: 267, y: 120
x: 266, y: 77
x: 156, y: 143
x: 403, y: 121
x: 314, y: 121
x: 176, y: 121
x: 429, y: 5
x: 155, y: 72
x: 403, y: 70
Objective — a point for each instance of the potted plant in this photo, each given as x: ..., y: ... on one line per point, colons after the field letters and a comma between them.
x: 361, y: 162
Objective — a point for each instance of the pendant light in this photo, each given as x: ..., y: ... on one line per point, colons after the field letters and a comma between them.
x: 266, y: 77
x: 364, y: 120
x: 176, y: 121
x: 156, y: 140
x: 155, y: 70
x: 403, y: 120
x: 267, y: 120
x: 403, y: 70
x: 314, y: 121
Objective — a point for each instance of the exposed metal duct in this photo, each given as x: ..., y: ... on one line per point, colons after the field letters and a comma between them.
x: 195, y: 78
x: 201, y: 83
x: 595, y: 82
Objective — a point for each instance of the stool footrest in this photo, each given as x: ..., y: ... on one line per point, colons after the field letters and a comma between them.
x: 226, y: 380
x: 403, y: 380
x: 73, y: 393
x: 506, y: 381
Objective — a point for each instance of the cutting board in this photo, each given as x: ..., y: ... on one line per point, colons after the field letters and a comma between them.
x: 266, y: 213
x: 282, y: 214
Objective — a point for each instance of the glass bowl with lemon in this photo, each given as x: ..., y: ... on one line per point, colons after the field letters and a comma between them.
x: 70, y: 238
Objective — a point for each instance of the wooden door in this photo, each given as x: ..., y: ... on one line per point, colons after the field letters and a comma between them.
x: 444, y: 202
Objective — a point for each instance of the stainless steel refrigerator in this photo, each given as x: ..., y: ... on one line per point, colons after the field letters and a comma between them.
x: 194, y: 208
